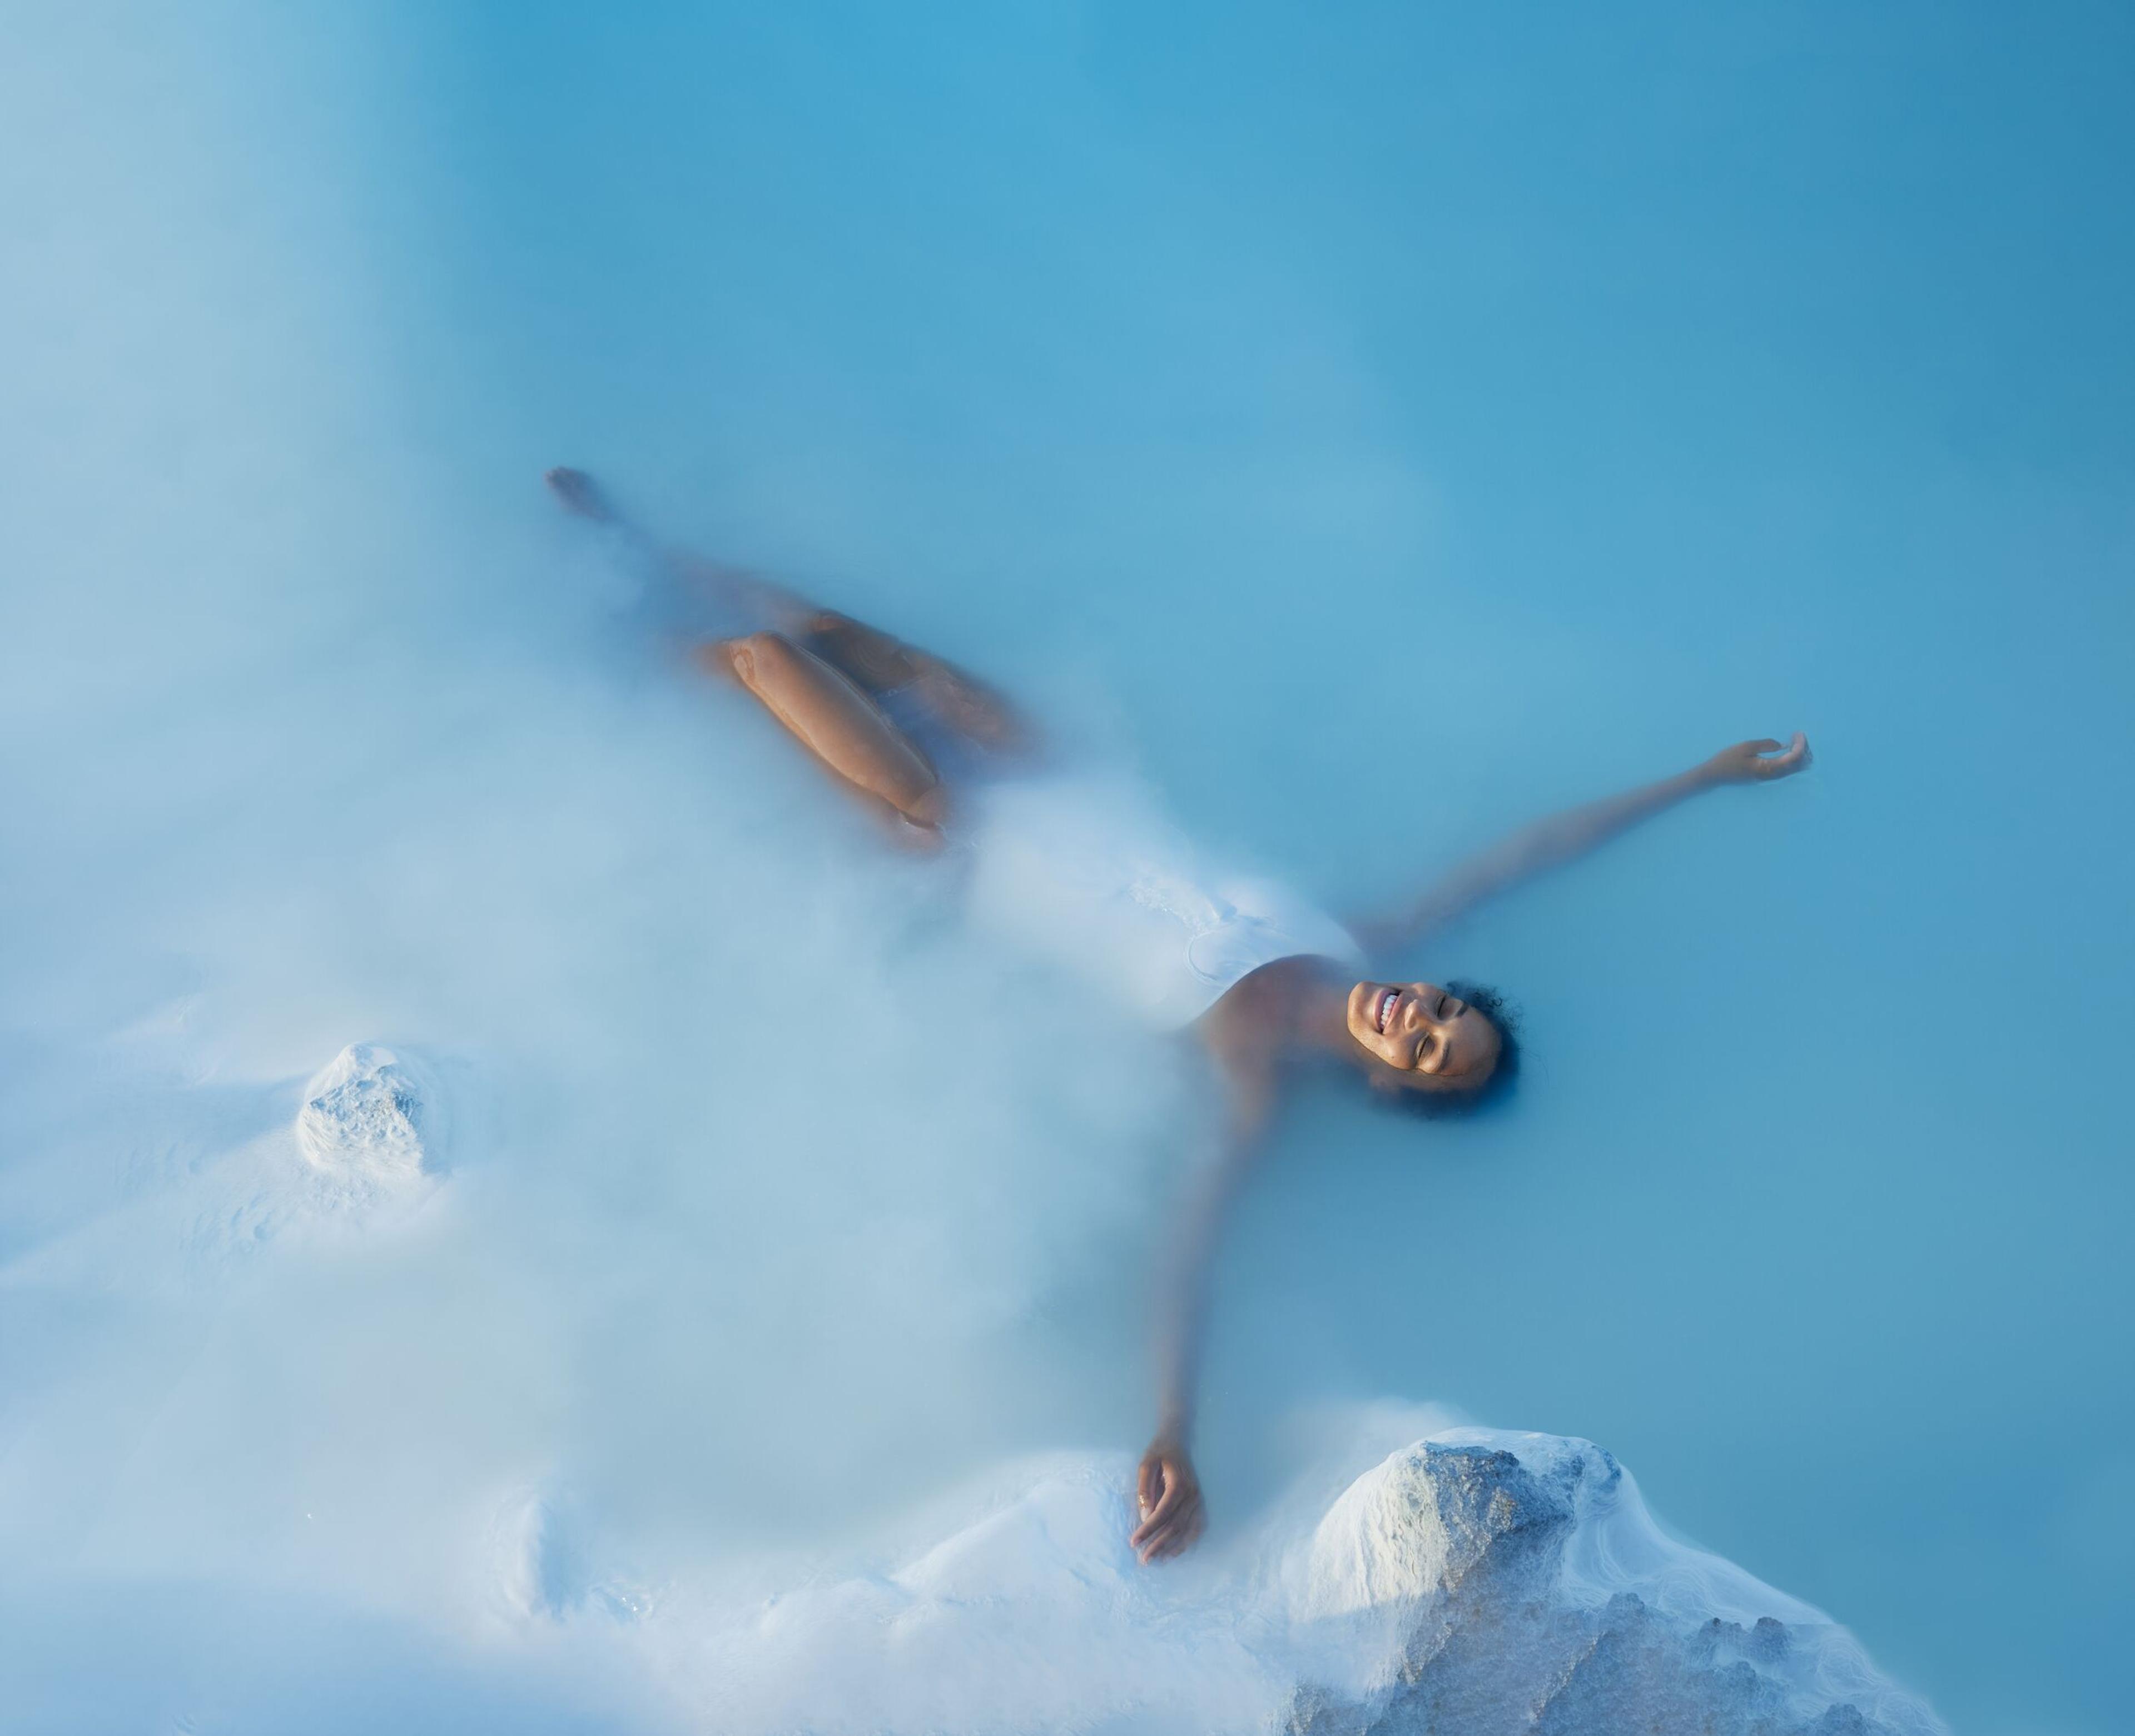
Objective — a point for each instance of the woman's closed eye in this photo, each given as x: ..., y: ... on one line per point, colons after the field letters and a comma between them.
x: 1426, y: 1048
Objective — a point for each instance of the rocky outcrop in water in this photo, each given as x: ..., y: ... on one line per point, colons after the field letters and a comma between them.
x: 1530, y: 1592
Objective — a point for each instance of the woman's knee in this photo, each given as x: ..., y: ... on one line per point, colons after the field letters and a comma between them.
x: 865, y: 654
x: 756, y: 659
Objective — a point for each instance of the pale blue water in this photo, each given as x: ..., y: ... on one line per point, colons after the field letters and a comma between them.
x: 1390, y: 423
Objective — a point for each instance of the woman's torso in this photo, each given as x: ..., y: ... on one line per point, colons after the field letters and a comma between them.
x: 1085, y: 872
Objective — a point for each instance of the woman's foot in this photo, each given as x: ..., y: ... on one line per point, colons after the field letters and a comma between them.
x: 577, y: 492
x: 738, y: 601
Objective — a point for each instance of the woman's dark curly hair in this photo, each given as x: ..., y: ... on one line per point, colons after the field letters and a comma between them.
x: 1505, y: 1077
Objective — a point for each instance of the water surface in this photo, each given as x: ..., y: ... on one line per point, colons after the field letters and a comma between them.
x: 1377, y: 426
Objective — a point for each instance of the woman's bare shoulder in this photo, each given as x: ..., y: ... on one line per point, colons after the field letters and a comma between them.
x: 1257, y: 1016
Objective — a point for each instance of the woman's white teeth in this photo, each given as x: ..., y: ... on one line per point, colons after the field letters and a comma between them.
x: 1387, y: 1006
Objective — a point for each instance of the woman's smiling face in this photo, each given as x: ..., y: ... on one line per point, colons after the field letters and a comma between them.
x: 1435, y: 1040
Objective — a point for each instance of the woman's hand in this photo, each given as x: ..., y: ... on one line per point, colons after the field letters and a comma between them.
x: 1757, y: 762
x: 1172, y: 1516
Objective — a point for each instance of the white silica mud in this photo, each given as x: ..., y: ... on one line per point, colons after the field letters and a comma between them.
x: 1475, y: 1581
x: 216, y: 1186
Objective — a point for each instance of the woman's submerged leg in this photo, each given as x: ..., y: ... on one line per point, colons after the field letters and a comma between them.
x: 827, y: 712
x: 824, y: 675
x: 740, y: 601
x: 952, y: 699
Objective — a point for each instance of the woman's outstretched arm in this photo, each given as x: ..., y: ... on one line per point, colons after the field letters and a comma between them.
x: 1167, y: 1491
x: 1565, y: 836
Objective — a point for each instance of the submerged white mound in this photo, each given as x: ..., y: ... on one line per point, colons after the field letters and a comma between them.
x: 370, y: 1122
x: 1475, y: 1584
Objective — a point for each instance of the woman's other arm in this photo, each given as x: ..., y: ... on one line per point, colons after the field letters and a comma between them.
x: 1565, y: 836
x: 1169, y: 1493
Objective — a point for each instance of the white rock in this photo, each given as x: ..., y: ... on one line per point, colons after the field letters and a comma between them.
x: 1491, y: 1582
x: 369, y: 1122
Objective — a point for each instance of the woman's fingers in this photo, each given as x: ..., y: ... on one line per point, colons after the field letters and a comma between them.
x: 1168, y: 1541
x: 1176, y: 1538
x: 1172, y: 1522
x: 1792, y: 759
x: 1757, y: 761
x: 1148, y: 1484
x: 1157, y: 1515
x: 1170, y: 1502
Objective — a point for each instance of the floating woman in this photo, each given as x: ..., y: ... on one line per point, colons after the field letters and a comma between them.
x: 1268, y: 983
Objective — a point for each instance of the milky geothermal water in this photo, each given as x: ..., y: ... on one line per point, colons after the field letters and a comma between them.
x: 498, y: 1175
